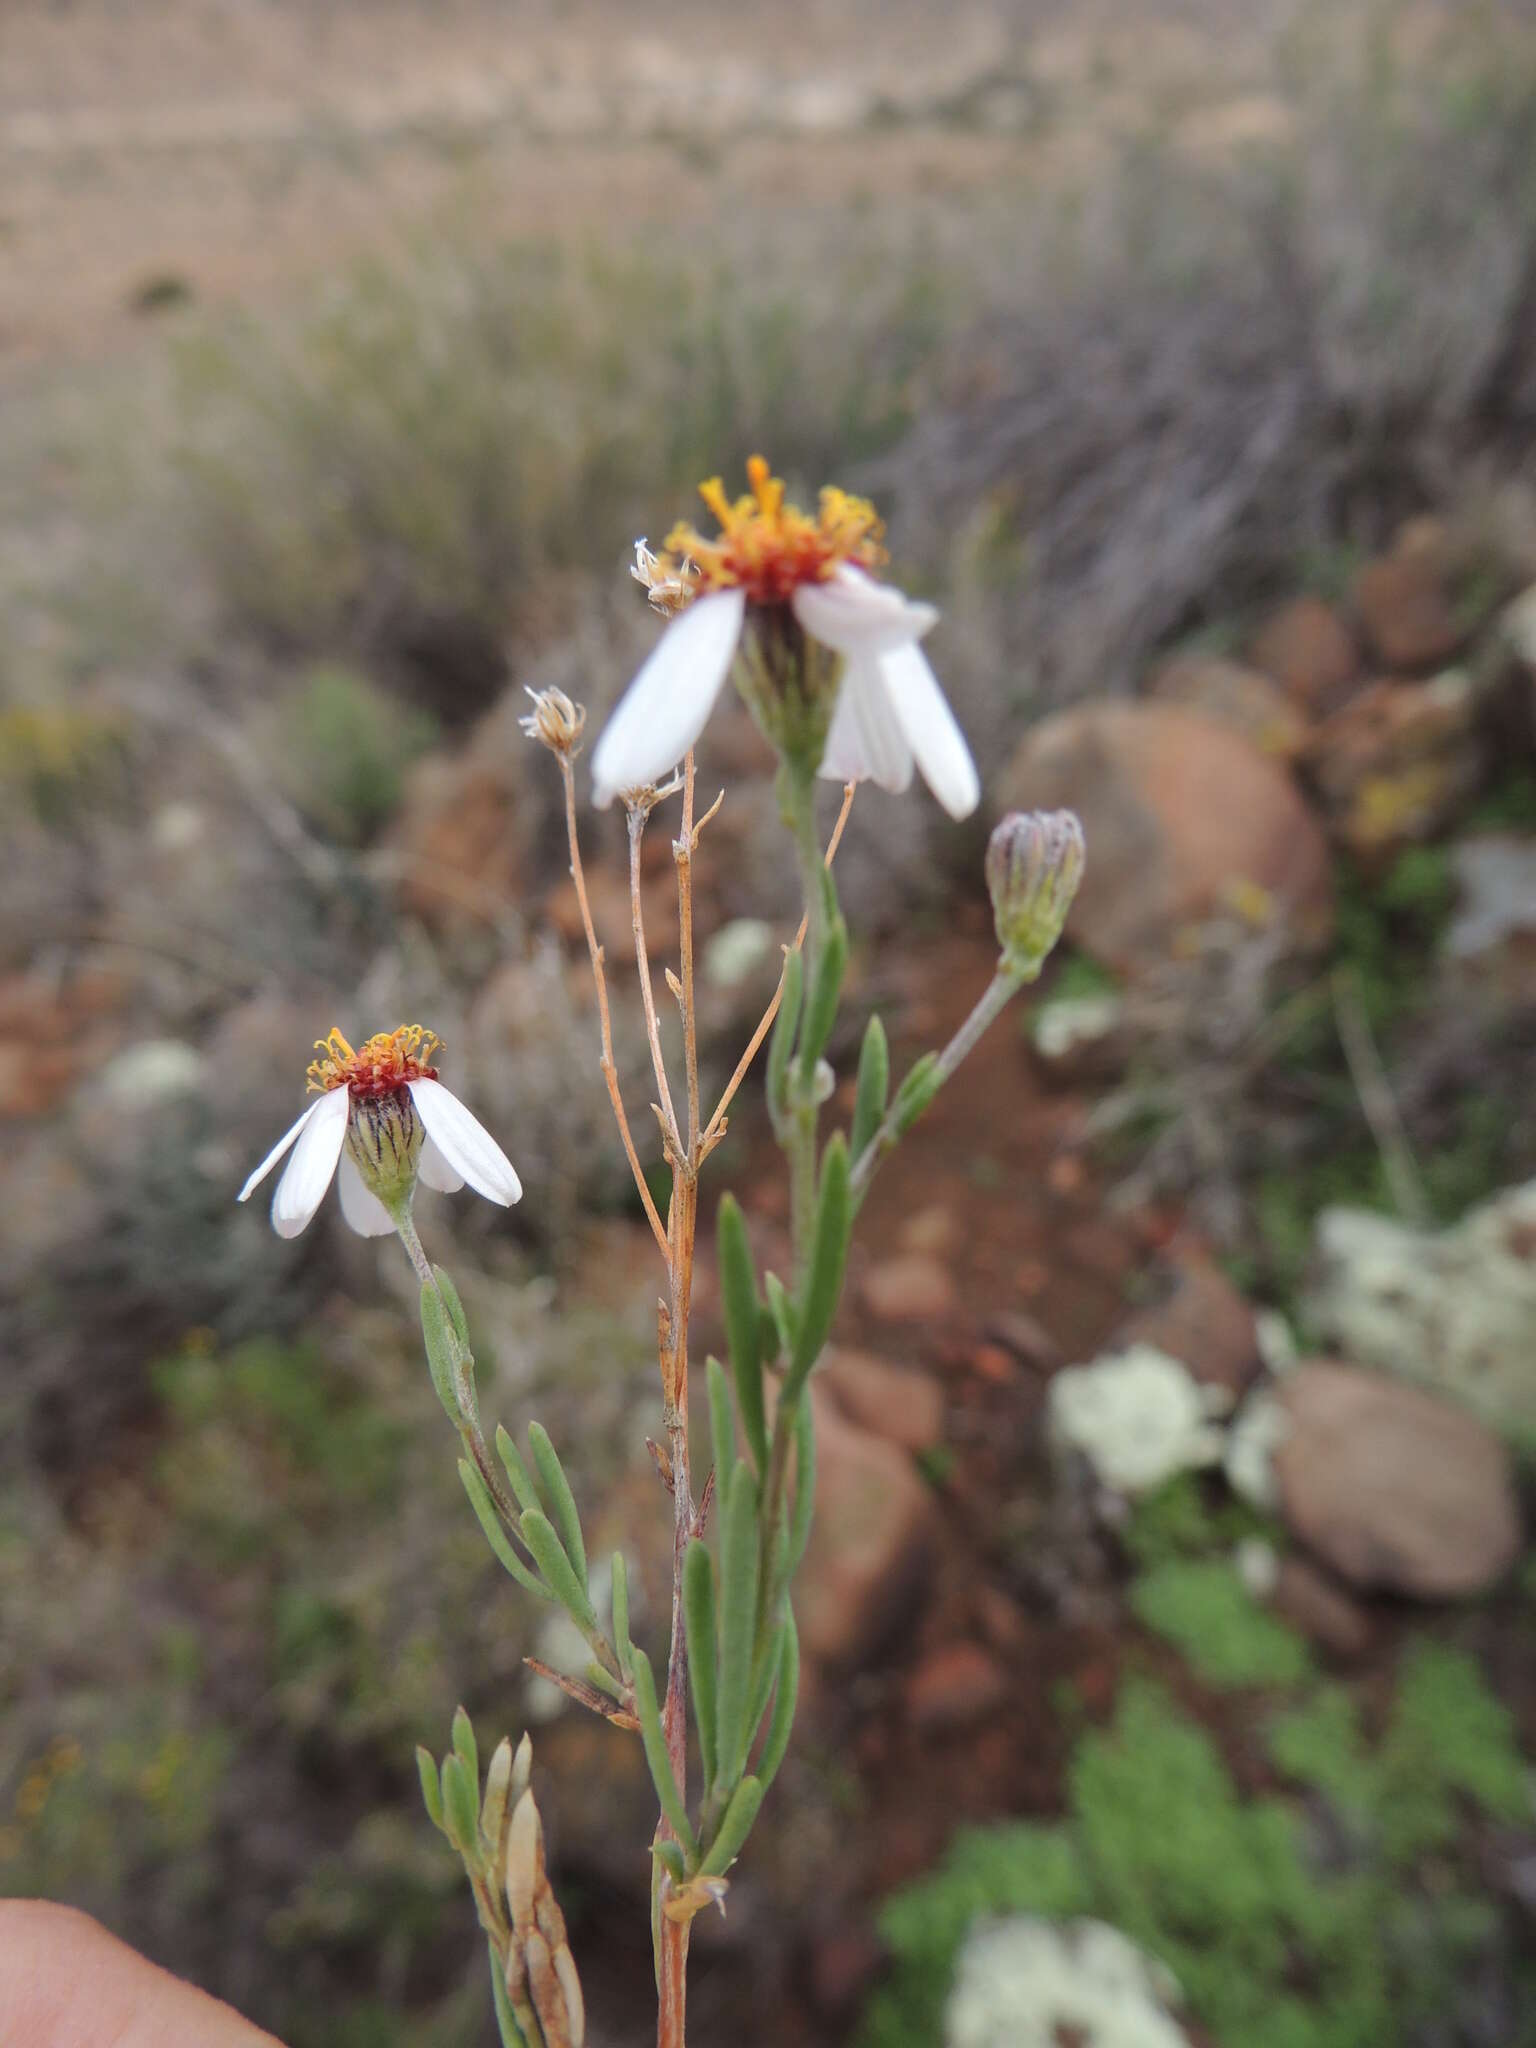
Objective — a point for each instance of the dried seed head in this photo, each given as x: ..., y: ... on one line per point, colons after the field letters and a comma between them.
x: 554, y: 721
x: 1034, y: 865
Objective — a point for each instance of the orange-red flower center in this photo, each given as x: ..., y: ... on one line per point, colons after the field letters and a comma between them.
x: 381, y: 1065
x: 768, y: 547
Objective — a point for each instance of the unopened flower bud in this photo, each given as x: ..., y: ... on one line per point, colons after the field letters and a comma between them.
x: 554, y: 720
x: 1034, y: 864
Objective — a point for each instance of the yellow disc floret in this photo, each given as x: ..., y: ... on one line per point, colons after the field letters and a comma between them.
x: 381, y: 1065
x: 768, y: 547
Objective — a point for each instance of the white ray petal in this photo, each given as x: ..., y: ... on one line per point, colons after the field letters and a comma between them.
x: 866, y: 744
x: 435, y: 1170
x: 308, y: 1173
x: 465, y: 1143
x: 359, y: 1204
x: 663, y: 711
x: 930, y: 729
x: 856, y: 615
x: 254, y: 1181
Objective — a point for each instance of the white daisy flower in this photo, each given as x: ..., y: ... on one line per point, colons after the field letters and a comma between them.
x: 772, y: 559
x: 384, y: 1119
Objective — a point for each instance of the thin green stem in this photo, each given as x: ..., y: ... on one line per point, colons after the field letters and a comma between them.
x: 1000, y: 991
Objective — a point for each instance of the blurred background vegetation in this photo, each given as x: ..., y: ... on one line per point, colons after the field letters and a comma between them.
x: 1191, y: 352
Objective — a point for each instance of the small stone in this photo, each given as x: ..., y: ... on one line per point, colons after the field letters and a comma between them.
x: 993, y: 1362
x: 1403, y: 599
x: 929, y: 1230
x: 1398, y: 762
x: 1185, y: 821
x: 955, y: 1687
x: 1392, y: 1487
x: 896, y: 1402
x: 912, y: 1288
x: 1316, y: 1604
x: 1309, y: 651
x: 870, y: 1542
x: 1026, y: 1338
x: 1240, y: 697
x: 1202, y: 1320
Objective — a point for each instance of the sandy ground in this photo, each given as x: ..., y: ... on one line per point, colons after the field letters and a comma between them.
x: 226, y: 150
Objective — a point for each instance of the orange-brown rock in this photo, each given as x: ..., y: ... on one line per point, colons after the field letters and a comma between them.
x: 1184, y: 819
x: 1241, y: 697
x: 1308, y: 650
x: 1404, y: 601
x: 1397, y: 762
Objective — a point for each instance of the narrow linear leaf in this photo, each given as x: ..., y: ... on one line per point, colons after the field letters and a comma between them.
x: 465, y: 1748
x: 518, y: 1476
x: 495, y: 1804
x: 781, y: 1044
x: 461, y: 1807
x: 561, y: 1499
x: 699, y: 1623
x: 734, y: 1828
x: 491, y: 1526
x: 874, y: 1087
x: 670, y: 1855
x: 805, y: 1484
x: 768, y: 1336
x: 655, y: 1746
x: 604, y: 1680
x: 450, y: 1295
x: 782, y: 1309
x: 829, y: 1254
x: 919, y: 1088
x: 821, y: 1004
x: 621, y: 1641
x: 785, y: 1695
x: 722, y: 1425
x: 737, y: 1624
x: 431, y: 1790
x: 743, y: 1324
x: 549, y: 1555
x: 435, y: 1331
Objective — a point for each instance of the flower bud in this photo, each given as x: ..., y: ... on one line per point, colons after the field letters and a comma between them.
x: 1034, y: 864
x: 554, y: 721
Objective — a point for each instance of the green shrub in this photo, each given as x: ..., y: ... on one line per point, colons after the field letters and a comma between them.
x: 346, y: 746
x: 1202, y: 1608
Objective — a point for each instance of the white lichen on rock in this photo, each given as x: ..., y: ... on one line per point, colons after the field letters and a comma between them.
x: 1138, y: 1417
x: 1031, y: 1983
x: 1248, y: 1457
x: 1452, y: 1309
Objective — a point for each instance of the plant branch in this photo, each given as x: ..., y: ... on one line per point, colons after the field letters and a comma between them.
x: 605, y: 1021
x: 716, y: 1129
x: 637, y: 817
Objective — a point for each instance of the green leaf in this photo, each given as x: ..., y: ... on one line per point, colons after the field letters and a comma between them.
x: 450, y: 1295
x: 738, y: 1623
x: 465, y: 1748
x: 561, y: 1499
x: 431, y: 1790
x: 873, y: 1089
x: 722, y: 1424
x: 436, y: 1330
x: 919, y: 1088
x: 734, y: 1828
x: 494, y: 1806
x: 782, y: 1043
x: 829, y: 1253
x: 670, y: 1855
x: 743, y: 1324
x: 821, y: 1006
x: 805, y: 1483
x: 491, y: 1525
x: 782, y: 1310
x: 528, y: 1495
x: 621, y: 1612
x: 786, y: 1692
x: 699, y: 1621
x: 655, y: 1745
x: 549, y: 1555
x: 461, y: 1807
x: 768, y: 1340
